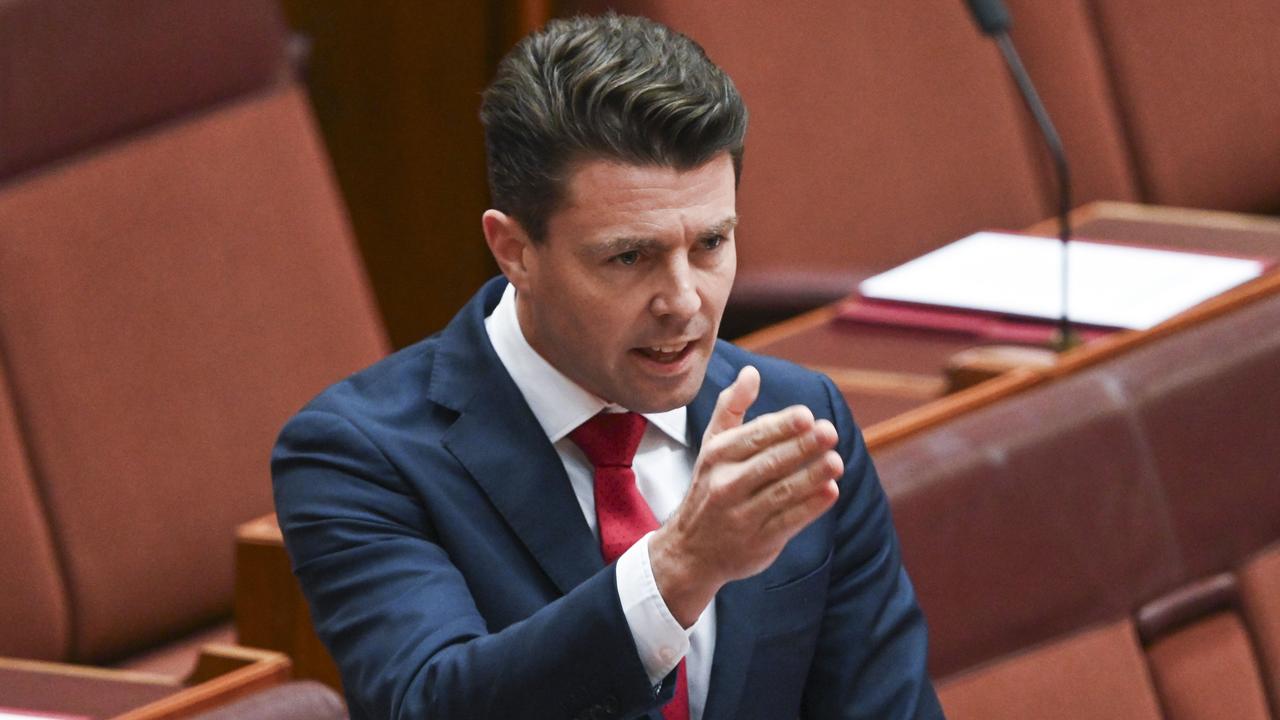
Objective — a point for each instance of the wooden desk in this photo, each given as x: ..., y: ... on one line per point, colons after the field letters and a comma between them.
x: 885, y: 372
x: 222, y: 674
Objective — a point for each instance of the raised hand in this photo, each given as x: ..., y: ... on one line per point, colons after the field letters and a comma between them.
x: 755, y: 486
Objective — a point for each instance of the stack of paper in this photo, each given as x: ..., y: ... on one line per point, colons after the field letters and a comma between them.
x: 1117, y: 286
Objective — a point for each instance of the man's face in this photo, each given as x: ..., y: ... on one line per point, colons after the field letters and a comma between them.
x: 625, y: 293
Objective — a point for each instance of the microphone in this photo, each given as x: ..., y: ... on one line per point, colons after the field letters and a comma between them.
x: 993, y: 19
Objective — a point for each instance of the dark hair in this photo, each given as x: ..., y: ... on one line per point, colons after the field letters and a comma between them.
x: 609, y: 87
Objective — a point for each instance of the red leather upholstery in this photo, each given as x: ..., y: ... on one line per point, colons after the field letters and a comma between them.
x: 1135, y: 488
x: 1100, y: 673
x: 168, y: 298
x: 1196, y: 84
x: 34, y: 602
x: 78, y: 73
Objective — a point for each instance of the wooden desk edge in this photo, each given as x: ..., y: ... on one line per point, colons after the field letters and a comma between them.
x: 1114, y: 210
x: 88, y: 671
x: 755, y: 340
x: 223, y: 673
x: 263, y: 530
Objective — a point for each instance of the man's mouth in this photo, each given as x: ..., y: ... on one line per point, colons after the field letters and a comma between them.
x: 666, y: 353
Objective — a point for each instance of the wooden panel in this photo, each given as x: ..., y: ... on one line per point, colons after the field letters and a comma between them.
x: 396, y: 88
x: 270, y: 609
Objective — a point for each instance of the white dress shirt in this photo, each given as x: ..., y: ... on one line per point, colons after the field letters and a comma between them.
x: 664, y: 468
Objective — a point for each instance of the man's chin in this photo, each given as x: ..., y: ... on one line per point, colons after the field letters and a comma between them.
x: 656, y: 397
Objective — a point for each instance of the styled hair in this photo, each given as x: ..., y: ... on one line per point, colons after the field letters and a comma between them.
x: 611, y: 87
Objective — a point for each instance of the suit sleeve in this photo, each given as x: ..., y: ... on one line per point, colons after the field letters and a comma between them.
x: 870, y: 660
x: 398, y: 616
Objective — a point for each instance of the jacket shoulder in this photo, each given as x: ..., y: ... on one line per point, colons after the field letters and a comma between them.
x: 388, y: 389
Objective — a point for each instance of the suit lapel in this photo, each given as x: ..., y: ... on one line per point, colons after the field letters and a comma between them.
x: 736, y: 602
x: 499, y: 442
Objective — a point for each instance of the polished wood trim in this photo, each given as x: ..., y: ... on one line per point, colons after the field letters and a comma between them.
x: 979, y: 364
x: 900, y: 427
x: 223, y: 673
x: 846, y: 378
x: 1195, y: 217
x: 1049, y: 226
x: 87, y: 671
x: 264, y: 531
x: 1213, y: 219
x: 878, y: 382
x: 219, y: 659
x: 754, y: 341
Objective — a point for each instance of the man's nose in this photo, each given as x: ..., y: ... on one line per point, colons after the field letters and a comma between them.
x: 677, y: 296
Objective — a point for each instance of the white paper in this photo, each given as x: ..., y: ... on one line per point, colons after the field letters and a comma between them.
x: 1110, y: 285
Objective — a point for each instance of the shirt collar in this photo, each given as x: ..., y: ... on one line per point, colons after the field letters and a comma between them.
x: 558, y: 403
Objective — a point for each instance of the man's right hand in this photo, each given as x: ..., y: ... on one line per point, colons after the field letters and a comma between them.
x: 755, y: 486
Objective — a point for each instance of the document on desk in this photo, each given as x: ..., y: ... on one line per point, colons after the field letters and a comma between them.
x: 1109, y: 285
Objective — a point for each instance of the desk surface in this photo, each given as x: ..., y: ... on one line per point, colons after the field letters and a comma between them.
x: 886, y: 371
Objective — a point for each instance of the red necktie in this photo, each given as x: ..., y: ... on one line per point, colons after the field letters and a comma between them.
x: 609, y: 440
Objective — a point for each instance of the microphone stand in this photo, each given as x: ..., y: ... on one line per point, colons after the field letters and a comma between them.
x: 1067, y: 338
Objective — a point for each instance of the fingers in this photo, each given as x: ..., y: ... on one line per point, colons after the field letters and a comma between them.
x: 796, y: 516
x: 733, y: 402
x: 777, y: 495
x: 786, y: 454
x: 796, y: 500
x: 760, y: 435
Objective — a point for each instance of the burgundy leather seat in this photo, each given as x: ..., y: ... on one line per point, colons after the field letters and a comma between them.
x: 177, y: 277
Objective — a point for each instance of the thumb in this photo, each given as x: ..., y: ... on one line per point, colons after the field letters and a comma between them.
x: 734, y: 401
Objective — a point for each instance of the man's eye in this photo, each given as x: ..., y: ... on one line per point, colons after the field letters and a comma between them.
x: 630, y: 257
x: 713, y: 242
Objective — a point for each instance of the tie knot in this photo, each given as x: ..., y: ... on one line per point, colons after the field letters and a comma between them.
x: 610, y: 439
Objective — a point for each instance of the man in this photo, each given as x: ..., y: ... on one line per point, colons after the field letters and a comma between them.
x: 574, y: 501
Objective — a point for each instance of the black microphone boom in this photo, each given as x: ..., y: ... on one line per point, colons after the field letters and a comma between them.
x: 993, y: 19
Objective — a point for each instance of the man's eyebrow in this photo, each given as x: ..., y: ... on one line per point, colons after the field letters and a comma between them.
x: 720, y: 229
x: 619, y: 245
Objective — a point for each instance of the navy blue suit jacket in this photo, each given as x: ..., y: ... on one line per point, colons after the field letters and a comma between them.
x: 451, y: 573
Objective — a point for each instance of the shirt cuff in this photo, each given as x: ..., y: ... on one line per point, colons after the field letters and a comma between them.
x: 659, y: 638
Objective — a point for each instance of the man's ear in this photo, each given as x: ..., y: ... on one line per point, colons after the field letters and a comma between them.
x: 510, y: 246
